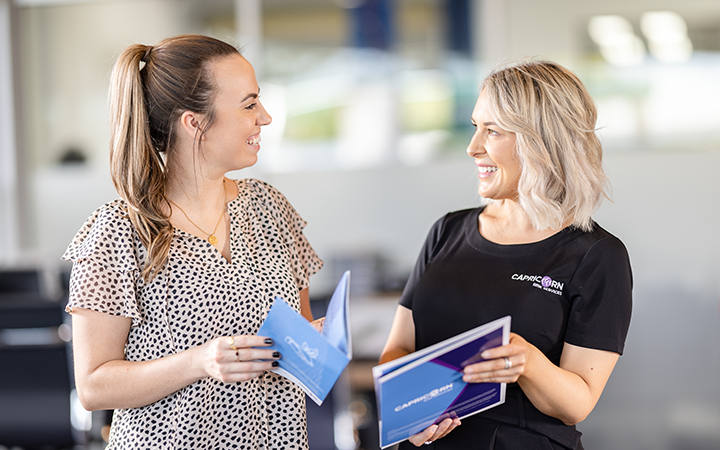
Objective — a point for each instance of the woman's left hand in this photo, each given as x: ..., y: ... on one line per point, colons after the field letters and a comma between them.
x: 504, y: 364
x: 434, y: 432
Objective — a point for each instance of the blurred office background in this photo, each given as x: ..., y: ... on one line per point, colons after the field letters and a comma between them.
x: 371, y: 102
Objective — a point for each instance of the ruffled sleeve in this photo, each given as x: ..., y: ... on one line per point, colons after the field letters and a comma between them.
x: 304, y: 261
x: 105, y: 269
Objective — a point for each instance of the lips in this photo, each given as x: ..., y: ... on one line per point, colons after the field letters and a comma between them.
x: 486, y: 171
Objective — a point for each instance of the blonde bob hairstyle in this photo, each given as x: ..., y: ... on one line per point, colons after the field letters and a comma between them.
x: 553, y: 116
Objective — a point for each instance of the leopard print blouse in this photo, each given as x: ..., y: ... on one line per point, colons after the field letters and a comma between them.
x: 199, y: 296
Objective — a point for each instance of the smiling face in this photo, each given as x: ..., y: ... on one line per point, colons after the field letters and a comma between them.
x: 233, y: 140
x: 493, y: 150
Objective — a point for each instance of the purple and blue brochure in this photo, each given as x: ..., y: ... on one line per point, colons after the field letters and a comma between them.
x: 426, y: 387
x: 312, y: 360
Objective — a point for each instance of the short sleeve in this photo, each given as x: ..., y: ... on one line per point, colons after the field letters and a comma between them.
x: 304, y: 261
x: 426, y: 254
x: 601, y: 298
x: 105, y: 268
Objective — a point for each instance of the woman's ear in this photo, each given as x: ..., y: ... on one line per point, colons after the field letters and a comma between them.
x: 190, y: 124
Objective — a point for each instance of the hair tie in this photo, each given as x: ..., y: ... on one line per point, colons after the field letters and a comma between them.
x: 147, y: 53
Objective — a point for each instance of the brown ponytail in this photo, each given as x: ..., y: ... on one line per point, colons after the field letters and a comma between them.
x: 150, y: 88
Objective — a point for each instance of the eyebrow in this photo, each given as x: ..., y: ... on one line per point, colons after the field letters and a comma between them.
x: 485, y: 124
x: 251, y: 96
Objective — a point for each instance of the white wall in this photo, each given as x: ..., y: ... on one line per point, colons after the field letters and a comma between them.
x: 67, y: 53
x: 665, y: 393
x: 10, y: 191
x: 76, y: 45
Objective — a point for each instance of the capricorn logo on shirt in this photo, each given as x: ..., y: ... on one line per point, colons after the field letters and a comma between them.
x: 541, y: 282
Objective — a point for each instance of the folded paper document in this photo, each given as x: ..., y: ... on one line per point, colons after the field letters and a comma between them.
x: 312, y: 360
x: 426, y: 387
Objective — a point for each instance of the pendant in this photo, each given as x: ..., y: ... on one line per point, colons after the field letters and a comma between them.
x: 212, y: 239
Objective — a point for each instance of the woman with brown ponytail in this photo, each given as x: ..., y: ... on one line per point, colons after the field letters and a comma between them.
x: 171, y: 282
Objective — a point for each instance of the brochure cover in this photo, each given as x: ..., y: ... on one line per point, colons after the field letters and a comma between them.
x: 426, y: 387
x: 314, y: 361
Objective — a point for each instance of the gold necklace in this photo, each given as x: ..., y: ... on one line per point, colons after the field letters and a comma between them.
x: 211, y: 236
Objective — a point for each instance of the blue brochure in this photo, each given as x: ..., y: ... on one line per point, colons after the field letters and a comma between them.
x: 312, y: 360
x: 426, y: 387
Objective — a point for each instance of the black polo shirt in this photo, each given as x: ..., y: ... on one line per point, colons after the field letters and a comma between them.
x: 573, y: 287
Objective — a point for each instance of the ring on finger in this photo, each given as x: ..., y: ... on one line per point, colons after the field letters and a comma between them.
x: 508, y: 363
x: 428, y: 442
x: 231, y: 341
x: 237, y: 355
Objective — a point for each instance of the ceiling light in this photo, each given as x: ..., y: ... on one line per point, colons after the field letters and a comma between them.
x: 617, y: 41
x: 667, y: 37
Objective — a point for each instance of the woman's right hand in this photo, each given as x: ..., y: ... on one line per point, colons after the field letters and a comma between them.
x: 434, y: 432
x: 231, y: 359
x: 318, y: 324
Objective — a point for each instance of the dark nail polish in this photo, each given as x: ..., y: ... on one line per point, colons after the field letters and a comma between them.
x: 275, y: 363
x: 276, y: 354
x: 268, y: 341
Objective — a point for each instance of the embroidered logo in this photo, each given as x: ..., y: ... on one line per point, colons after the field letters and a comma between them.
x: 541, y: 282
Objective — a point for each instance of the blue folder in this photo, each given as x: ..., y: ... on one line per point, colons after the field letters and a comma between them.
x: 314, y: 361
x: 426, y: 387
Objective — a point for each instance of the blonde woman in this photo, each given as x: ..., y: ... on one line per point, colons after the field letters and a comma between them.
x: 171, y: 282
x: 534, y: 253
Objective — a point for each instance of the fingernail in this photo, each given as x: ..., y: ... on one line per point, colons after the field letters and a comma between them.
x: 276, y: 354
x: 268, y: 341
x: 275, y: 363
x: 485, y: 354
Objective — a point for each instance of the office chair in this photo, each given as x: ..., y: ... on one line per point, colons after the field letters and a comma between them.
x: 35, y: 375
x: 19, y: 280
